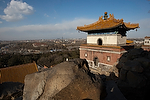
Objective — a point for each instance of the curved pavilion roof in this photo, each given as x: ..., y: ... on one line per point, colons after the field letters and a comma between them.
x: 109, y: 25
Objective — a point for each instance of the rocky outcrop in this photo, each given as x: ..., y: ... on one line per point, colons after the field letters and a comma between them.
x: 113, y: 92
x: 11, y: 91
x: 134, y: 68
x: 66, y: 81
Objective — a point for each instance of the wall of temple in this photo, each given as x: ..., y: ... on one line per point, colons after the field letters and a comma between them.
x: 107, y: 39
x: 97, y: 57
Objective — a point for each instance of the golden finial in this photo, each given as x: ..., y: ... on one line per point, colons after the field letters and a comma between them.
x: 105, y: 16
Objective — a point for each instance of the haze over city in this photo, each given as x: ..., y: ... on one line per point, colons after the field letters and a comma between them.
x: 51, y: 19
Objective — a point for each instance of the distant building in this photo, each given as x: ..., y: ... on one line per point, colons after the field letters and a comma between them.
x: 146, y: 45
x: 129, y: 42
x: 17, y: 73
x: 106, y: 41
x: 138, y: 41
x: 147, y: 40
x: 39, y: 44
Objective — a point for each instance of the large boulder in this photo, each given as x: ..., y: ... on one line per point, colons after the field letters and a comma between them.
x: 136, y: 80
x: 134, y: 68
x: 123, y: 74
x: 134, y: 74
x: 133, y: 53
x: 145, y: 62
x: 66, y: 81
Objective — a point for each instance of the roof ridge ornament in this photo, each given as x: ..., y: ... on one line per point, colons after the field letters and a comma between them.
x: 111, y: 16
x: 101, y: 18
x: 105, y: 16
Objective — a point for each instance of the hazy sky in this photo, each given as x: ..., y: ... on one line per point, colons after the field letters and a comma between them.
x: 50, y: 19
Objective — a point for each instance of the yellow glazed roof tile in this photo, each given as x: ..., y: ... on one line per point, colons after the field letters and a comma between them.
x: 129, y: 41
x: 111, y: 22
x: 17, y: 73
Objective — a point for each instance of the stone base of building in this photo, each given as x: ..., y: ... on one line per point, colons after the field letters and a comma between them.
x: 102, y: 69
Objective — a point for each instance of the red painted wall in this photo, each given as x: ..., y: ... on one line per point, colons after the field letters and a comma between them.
x: 102, y: 56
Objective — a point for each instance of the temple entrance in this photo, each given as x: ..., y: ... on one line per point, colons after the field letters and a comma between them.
x: 99, y: 41
x: 96, y: 61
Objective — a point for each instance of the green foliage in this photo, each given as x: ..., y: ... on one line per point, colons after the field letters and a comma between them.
x: 4, y: 59
x: 15, y: 60
x: 48, y: 59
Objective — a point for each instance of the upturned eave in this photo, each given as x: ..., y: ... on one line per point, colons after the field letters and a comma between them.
x: 109, y: 25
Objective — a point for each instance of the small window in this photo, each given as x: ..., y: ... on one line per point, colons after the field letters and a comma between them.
x: 85, y: 54
x: 108, y: 58
x: 146, y: 41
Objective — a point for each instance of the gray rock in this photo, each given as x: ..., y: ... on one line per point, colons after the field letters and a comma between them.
x: 82, y: 87
x: 136, y: 80
x: 19, y: 98
x: 123, y: 74
x: 134, y: 53
x: 149, y: 55
x: 113, y: 91
x: 47, y: 83
x: 147, y: 75
x: 133, y: 66
x: 144, y: 62
x: 120, y: 65
x: 123, y: 59
x: 134, y: 74
x: 144, y: 54
x: 67, y: 80
x: 11, y: 90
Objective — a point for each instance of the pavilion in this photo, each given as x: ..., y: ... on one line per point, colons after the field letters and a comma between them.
x: 106, y: 40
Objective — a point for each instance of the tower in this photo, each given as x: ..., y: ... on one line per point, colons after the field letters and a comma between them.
x: 106, y: 41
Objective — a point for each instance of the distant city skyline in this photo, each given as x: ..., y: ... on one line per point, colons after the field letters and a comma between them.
x: 52, y: 19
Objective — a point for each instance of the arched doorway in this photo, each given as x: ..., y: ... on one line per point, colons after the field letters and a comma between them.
x: 95, y: 61
x: 99, y: 41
